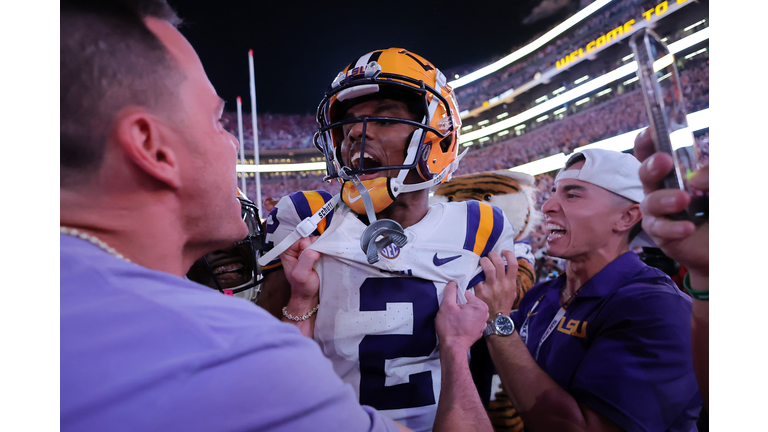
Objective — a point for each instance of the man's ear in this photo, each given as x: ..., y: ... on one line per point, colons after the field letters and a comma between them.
x: 630, y: 216
x: 137, y: 133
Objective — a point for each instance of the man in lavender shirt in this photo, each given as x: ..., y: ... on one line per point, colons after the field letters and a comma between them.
x: 148, y: 186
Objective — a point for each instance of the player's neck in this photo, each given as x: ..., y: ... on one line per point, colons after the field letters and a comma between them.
x: 408, y: 209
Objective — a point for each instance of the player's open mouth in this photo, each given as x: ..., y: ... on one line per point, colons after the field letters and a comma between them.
x: 228, y: 272
x: 555, y: 231
x: 367, y: 161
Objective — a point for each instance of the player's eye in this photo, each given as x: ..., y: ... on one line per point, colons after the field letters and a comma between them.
x: 487, y: 197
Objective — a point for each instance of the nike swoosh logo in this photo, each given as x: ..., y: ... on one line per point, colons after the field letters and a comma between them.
x: 440, y: 261
x: 351, y: 200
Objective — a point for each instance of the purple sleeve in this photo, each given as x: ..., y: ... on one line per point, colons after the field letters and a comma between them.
x: 638, y: 370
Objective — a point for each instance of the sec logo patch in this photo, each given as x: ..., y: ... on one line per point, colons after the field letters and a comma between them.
x: 391, y: 251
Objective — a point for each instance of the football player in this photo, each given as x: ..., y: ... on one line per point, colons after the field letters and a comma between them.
x: 366, y: 269
x: 234, y: 271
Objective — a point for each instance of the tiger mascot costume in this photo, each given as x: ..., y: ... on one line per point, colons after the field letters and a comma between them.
x: 514, y: 194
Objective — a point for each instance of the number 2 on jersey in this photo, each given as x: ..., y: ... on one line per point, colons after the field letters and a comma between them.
x: 375, y: 293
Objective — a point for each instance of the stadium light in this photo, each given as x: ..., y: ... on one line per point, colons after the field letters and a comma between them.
x: 467, y: 144
x: 542, y: 99
x: 483, y: 122
x: 502, y: 133
x: 483, y: 139
x: 695, y: 53
x: 664, y: 77
x: 628, y: 57
x: 560, y: 90
x: 467, y: 127
x: 520, y: 127
x: 561, y: 110
x: 694, y: 25
x: 531, y: 47
x: 582, y: 102
x: 502, y: 115
x: 626, y: 141
x: 631, y: 80
x: 701, y: 35
x: 542, y: 118
x: 581, y: 80
x: 663, y: 62
x: 309, y: 166
x: 604, y: 92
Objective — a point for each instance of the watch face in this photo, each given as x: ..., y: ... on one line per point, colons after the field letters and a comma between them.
x: 504, y: 325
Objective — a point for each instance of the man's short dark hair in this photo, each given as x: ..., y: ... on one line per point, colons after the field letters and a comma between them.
x: 109, y: 60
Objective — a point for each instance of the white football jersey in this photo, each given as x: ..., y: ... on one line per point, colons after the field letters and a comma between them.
x: 376, y: 322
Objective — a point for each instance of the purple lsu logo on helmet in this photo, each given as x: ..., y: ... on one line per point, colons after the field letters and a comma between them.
x: 391, y: 251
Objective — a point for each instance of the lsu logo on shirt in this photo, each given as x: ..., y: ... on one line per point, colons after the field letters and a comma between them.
x: 573, y: 328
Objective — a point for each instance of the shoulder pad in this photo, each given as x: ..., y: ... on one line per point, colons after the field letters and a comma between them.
x: 308, y: 203
x: 287, y: 214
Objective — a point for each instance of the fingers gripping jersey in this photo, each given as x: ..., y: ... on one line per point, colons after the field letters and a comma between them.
x: 376, y: 323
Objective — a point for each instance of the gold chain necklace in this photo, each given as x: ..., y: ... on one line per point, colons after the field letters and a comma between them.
x: 93, y: 239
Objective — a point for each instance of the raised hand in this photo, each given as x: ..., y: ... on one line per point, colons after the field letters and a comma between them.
x: 499, y: 291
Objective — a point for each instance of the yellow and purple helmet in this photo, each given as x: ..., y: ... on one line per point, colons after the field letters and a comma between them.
x: 432, y: 150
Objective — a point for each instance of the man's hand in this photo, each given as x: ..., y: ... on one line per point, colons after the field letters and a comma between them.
x: 499, y: 291
x: 679, y: 240
x: 460, y: 326
x: 298, y: 262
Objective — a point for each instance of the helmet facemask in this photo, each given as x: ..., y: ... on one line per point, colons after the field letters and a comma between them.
x: 234, y: 270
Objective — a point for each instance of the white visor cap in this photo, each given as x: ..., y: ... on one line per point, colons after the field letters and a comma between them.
x: 611, y: 170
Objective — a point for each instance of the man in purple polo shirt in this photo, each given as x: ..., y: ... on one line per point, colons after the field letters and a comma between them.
x: 605, y: 346
x: 148, y: 186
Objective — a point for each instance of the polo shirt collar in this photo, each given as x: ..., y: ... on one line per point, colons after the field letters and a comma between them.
x: 613, y: 275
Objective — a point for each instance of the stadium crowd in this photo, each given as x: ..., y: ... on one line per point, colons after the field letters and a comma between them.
x: 276, y: 131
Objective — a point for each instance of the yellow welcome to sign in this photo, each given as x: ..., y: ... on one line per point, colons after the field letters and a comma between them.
x: 615, y: 34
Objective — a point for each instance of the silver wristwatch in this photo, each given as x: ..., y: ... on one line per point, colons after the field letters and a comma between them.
x: 500, y: 325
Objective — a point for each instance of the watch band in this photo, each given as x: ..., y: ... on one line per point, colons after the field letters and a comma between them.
x: 492, y: 329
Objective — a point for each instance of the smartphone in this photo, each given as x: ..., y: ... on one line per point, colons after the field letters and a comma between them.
x: 665, y: 104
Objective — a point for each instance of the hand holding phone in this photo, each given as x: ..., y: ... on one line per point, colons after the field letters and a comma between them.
x: 665, y: 105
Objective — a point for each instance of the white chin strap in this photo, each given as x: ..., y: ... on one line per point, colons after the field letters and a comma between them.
x: 398, y: 187
x: 303, y: 229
